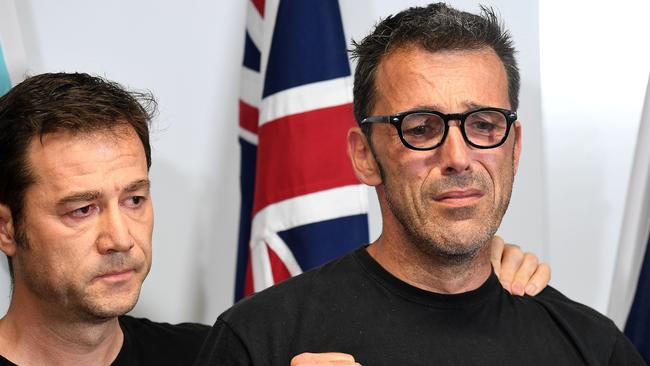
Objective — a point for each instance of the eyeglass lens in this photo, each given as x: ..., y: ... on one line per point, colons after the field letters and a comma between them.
x: 482, y: 128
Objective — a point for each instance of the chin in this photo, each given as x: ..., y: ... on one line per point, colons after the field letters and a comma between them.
x: 454, y: 246
x: 106, y: 306
x: 452, y: 254
x: 110, y: 310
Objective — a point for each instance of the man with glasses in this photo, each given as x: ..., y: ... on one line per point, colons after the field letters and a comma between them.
x: 435, y: 94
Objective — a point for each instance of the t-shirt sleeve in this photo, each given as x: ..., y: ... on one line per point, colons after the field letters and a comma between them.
x: 624, y: 353
x: 223, y: 347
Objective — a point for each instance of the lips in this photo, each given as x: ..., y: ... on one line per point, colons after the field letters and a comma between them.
x: 116, y: 275
x: 460, y: 197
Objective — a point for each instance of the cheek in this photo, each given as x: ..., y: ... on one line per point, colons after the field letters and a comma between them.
x: 499, y: 168
x: 142, y: 231
x: 52, y: 260
x: 491, y: 163
x: 409, y: 173
x: 409, y: 182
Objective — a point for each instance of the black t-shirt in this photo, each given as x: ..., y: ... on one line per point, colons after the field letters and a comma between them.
x: 353, y: 305
x: 149, y: 343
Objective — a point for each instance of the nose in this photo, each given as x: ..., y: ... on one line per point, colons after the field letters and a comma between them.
x: 453, y: 152
x: 114, y: 232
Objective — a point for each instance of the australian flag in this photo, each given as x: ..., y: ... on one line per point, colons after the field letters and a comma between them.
x: 301, y: 202
x: 630, y: 295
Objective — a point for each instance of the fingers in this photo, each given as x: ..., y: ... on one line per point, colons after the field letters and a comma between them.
x: 511, y: 260
x: 496, y: 252
x: 523, y: 274
x: 324, y: 359
x: 539, y: 280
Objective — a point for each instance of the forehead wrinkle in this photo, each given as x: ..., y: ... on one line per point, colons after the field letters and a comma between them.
x: 388, y: 82
x: 390, y: 85
x: 419, y: 65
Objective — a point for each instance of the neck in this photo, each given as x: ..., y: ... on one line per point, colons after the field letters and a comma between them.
x: 432, y: 273
x: 31, y: 335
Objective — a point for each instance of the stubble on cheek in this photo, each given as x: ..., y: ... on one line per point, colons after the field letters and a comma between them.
x: 454, y: 234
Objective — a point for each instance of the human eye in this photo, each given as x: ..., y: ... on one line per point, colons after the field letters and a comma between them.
x: 82, y: 212
x: 482, y: 126
x: 421, y: 130
x: 422, y: 126
x: 134, y: 201
x: 485, y: 123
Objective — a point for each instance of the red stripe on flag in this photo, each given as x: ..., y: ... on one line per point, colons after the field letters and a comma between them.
x: 278, y: 268
x: 248, y: 117
x: 259, y: 5
x: 249, y: 287
x: 303, y: 153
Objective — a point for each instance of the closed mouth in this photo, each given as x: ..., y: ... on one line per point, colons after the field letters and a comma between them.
x: 459, y: 197
x: 116, y: 275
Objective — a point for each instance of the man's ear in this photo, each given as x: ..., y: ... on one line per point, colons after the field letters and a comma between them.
x: 363, y: 161
x: 7, y: 234
x: 517, y: 148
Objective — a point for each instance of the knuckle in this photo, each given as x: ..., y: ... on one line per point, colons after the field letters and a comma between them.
x: 531, y: 258
x: 545, y: 268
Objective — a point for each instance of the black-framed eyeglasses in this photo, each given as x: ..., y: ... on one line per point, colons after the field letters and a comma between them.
x: 425, y: 129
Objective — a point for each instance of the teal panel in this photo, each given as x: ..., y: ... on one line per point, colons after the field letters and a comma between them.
x: 5, y: 82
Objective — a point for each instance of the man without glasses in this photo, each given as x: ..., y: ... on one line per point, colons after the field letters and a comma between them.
x: 76, y: 220
x: 435, y: 95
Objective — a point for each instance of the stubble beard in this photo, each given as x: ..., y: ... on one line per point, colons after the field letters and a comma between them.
x: 72, y: 301
x: 442, y: 244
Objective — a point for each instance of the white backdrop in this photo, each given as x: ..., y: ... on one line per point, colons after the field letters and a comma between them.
x: 579, y: 118
x: 595, y: 62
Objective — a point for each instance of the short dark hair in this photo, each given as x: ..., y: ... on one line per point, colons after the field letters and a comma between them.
x: 61, y: 102
x: 436, y: 27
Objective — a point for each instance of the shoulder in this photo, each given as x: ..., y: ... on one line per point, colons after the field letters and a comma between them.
x: 314, y: 286
x: 146, y: 327
x: 582, y: 316
x: 589, y: 329
x: 5, y: 362
x: 152, y: 343
x: 149, y: 343
x: 249, y: 331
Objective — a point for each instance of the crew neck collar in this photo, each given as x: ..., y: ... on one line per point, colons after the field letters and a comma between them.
x: 491, y: 287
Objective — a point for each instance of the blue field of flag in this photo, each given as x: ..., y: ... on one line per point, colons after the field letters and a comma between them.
x: 637, y: 327
x: 317, y: 243
x: 308, y: 45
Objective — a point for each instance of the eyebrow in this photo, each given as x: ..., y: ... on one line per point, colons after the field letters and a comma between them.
x: 138, y: 185
x: 93, y: 195
x: 79, y: 197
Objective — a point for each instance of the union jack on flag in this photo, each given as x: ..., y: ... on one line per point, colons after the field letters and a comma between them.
x: 301, y: 202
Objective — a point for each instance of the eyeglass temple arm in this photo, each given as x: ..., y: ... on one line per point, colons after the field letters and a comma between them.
x: 376, y: 119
